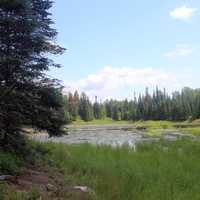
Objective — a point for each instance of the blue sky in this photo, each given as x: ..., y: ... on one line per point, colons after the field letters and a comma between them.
x: 115, y: 47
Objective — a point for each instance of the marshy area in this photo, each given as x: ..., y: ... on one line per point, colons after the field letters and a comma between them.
x: 162, y: 164
x: 157, y: 170
x: 89, y: 132
x: 123, y: 133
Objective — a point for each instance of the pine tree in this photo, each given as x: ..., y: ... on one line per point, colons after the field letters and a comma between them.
x: 116, y: 113
x: 26, y: 37
x: 98, y: 109
x: 85, y: 108
x: 76, y: 104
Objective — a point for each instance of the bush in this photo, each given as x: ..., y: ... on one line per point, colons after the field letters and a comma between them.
x: 7, y: 192
x: 10, y: 163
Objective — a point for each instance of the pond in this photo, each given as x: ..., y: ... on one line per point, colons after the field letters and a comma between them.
x: 114, y: 135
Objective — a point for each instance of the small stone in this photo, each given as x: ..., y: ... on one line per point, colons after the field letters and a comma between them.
x: 7, y: 178
x: 50, y: 187
x: 82, y: 189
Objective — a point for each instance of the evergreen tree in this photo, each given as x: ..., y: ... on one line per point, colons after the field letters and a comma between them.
x: 158, y: 106
x: 109, y: 108
x: 26, y: 37
x: 85, y: 108
x: 99, y: 110
x: 116, y: 113
x: 76, y: 105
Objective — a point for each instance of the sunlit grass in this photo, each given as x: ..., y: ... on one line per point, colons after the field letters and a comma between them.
x: 160, y: 170
x: 155, y: 124
x: 153, y: 132
x: 148, y: 124
x: 154, y: 128
x: 106, y: 121
x: 193, y: 131
x: 150, y: 128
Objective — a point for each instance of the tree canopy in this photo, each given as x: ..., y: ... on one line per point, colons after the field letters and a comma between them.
x: 156, y: 106
x: 27, y: 94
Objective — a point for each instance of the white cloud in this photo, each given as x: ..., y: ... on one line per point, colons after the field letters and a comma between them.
x: 180, y: 52
x: 121, y: 82
x: 183, y: 13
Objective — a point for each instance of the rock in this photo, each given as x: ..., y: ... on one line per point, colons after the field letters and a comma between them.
x: 79, y: 192
x: 50, y: 187
x: 82, y: 188
x: 140, y: 127
x: 7, y: 178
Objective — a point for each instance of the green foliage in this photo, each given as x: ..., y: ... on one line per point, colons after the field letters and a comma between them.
x: 10, y: 163
x: 160, y: 170
x: 85, y: 108
x: 72, y: 106
x: 7, y: 192
x: 179, y: 106
x: 13, y: 162
x: 53, y: 115
x: 27, y: 94
x: 155, y: 124
x: 100, y: 122
x: 116, y: 115
x: 194, y: 130
x: 99, y: 110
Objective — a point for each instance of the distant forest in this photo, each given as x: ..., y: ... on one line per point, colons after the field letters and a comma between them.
x: 183, y: 105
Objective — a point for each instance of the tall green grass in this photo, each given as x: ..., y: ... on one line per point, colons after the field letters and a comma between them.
x: 9, y: 193
x: 10, y: 163
x: 163, y: 170
x: 155, y: 171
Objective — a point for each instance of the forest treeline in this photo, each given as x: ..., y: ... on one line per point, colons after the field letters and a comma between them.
x: 180, y: 105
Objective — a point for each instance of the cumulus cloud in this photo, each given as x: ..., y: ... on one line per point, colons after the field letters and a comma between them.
x: 180, y: 52
x: 121, y: 82
x: 183, y: 13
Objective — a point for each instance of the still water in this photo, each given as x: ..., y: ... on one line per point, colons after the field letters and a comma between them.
x: 114, y: 135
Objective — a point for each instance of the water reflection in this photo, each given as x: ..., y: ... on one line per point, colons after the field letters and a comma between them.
x: 116, y: 135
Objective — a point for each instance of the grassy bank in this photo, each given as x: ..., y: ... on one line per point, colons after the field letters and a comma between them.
x: 155, y: 171
x: 161, y: 170
x: 151, y: 128
x: 106, y: 121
